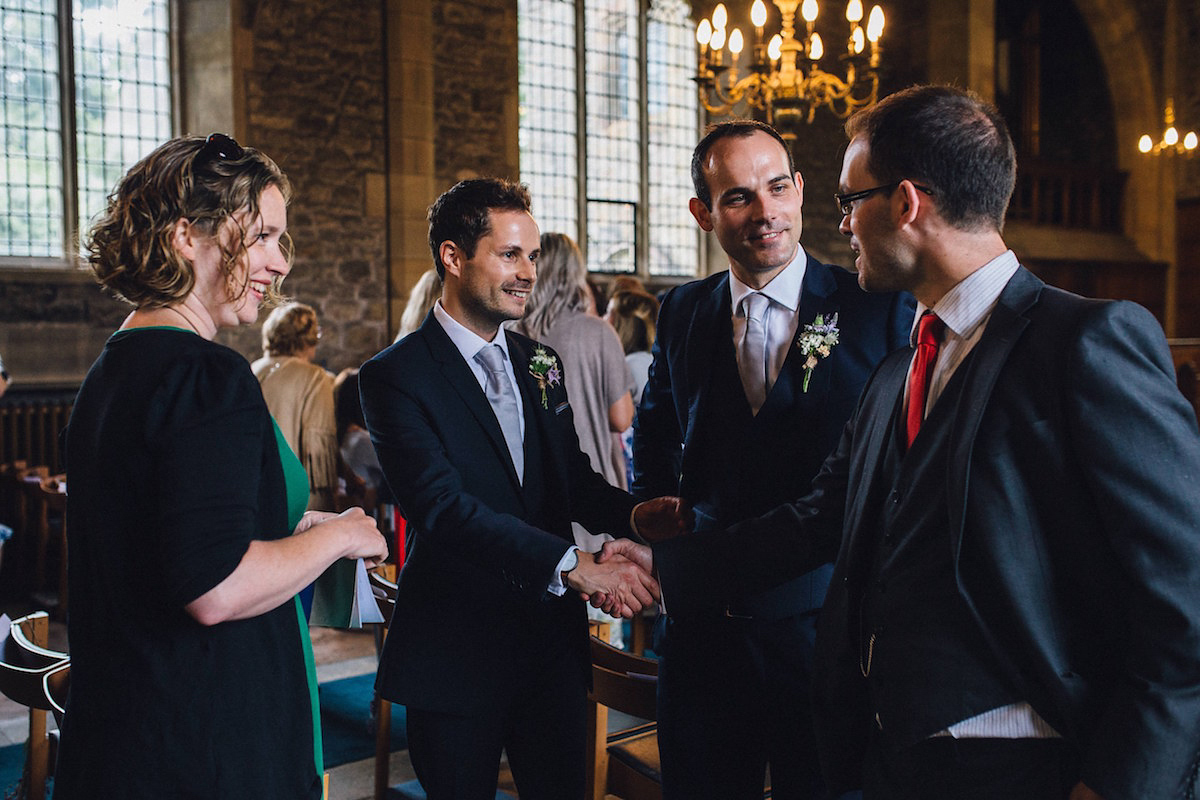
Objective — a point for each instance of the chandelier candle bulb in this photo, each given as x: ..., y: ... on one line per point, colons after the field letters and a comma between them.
x: 854, y: 11
x: 736, y: 43
x: 815, y: 47
x: 809, y: 11
x: 720, y: 17
x: 875, y: 25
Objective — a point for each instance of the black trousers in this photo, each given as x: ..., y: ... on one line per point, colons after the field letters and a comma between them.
x: 944, y: 768
x: 541, y: 725
x: 733, y: 696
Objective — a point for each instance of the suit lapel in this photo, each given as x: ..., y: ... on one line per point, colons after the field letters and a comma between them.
x: 1004, y: 329
x: 871, y: 428
x: 788, y: 394
x: 535, y: 415
x: 710, y: 332
x: 464, y: 383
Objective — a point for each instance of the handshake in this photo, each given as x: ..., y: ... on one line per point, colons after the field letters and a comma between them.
x: 619, y: 579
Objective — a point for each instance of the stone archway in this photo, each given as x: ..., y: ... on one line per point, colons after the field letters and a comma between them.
x: 1149, y: 217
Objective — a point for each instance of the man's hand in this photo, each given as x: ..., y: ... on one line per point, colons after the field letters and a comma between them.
x: 661, y: 518
x: 619, y: 586
x: 621, y: 550
x: 629, y: 549
x: 1082, y: 792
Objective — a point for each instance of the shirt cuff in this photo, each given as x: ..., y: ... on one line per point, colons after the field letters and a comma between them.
x: 557, y: 587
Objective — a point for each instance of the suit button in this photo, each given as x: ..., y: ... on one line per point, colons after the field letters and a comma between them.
x: 881, y: 586
x: 894, y: 497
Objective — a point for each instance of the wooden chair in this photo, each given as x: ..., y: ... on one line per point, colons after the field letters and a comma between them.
x: 385, y: 596
x: 623, y: 763
x: 49, y: 506
x: 37, y: 677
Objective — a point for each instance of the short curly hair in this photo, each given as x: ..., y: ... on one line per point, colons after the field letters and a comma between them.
x: 289, y: 329
x: 129, y: 247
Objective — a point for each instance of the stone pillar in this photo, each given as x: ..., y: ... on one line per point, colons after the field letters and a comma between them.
x: 962, y: 44
x: 411, y: 133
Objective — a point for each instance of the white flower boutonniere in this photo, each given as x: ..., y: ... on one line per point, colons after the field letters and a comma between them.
x: 816, y: 341
x: 544, y: 368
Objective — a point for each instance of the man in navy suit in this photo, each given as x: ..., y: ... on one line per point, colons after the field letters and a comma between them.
x: 1014, y: 609
x: 487, y: 647
x: 755, y: 372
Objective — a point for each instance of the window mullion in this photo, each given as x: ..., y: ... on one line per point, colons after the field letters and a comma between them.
x: 66, y: 106
x: 581, y: 124
x: 642, y: 216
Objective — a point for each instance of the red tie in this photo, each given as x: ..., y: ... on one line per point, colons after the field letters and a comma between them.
x: 929, y: 331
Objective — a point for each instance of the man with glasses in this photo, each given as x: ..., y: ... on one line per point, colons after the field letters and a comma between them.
x: 1014, y: 609
x: 755, y: 372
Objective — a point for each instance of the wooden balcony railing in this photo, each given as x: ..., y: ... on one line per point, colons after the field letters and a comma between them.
x: 1068, y: 196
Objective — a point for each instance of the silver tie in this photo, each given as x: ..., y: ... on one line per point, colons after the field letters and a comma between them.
x: 753, y: 361
x: 499, y: 391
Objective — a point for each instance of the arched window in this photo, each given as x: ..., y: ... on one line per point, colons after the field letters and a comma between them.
x: 86, y: 92
x: 609, y: 118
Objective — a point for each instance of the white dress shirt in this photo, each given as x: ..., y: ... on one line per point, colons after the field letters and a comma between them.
x: 966, y: 310
x: 782, y: 316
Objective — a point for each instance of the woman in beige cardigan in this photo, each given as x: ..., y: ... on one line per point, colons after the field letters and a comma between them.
x: 299, y: 395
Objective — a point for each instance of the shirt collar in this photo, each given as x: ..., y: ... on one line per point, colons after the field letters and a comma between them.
x: 466, y: 340
x: 783, y: 289
x: 972, y: 299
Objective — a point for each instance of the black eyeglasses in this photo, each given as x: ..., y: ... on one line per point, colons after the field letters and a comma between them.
x: 845, y: 202
x: 218, y: 145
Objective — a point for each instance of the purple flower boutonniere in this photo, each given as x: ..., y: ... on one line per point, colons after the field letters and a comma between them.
x: 544, y: 368
x: 817, y: 341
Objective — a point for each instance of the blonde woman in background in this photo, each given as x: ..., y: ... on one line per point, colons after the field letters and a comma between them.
x: 633, y: 313
x: 420, y: 302
x: 598, y: 381
x: 299, y: 395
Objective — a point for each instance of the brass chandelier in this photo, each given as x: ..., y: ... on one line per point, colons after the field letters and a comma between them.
x: 784, y: 75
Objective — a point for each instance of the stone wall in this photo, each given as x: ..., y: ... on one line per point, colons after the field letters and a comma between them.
x: 475, y: 90
x: 314, y: 101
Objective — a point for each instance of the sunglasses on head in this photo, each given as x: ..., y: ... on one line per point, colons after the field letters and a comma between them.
x: 218, y: 146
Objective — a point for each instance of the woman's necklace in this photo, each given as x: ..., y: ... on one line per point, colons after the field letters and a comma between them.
x: 187, y: 322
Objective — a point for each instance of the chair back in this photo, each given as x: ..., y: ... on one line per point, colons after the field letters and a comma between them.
x: 37, y: 677
x: 624, y: 762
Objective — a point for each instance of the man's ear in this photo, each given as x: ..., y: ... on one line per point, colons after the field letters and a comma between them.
x: 701, y: 213
x: 800, y: 186
x: 451, y: 257
x: 909, y: 201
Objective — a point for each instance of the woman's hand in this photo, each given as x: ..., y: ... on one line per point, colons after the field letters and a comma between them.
x: 361, y: 535
x: 311, y: 518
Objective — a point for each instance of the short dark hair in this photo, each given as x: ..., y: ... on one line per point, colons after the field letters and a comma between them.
x: 462, y: 214
x: 723, y: 130
x: 948, y: 138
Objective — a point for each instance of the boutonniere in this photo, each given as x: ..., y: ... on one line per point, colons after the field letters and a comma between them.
x: 544, y: 368
x: 816, y: 341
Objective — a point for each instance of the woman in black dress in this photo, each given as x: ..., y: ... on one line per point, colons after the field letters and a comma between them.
x: 192, y: 670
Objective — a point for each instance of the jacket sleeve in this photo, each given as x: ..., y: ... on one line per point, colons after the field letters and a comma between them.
x: 703, y: 572
x: 1137, y: 445
x: 657, y: 431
